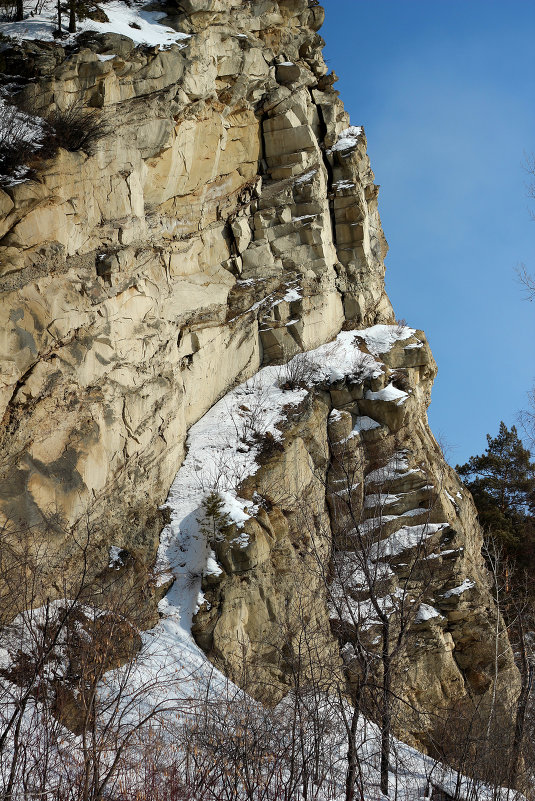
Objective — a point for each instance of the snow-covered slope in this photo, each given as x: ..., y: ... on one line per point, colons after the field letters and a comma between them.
x: 128, y: 19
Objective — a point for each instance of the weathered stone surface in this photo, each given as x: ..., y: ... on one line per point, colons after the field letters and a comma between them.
x: 268, y: 596
x: 227, y: 219
x: 385, y: 474
x: 128, y: 257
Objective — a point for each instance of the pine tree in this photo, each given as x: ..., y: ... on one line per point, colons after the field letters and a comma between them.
x: 214, y: 519
x: 502, y: 482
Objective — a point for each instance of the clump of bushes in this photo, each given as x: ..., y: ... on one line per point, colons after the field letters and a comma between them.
x: 77, y: 127
x: 21, y: 138
x: 27, y: 138
x: 299, y: 373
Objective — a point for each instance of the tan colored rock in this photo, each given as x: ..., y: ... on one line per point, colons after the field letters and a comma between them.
x: 214, y: 228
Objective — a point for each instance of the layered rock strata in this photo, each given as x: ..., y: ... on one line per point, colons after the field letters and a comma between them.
x: 221, y: 223
x: 397, y: 525
x: 227, y: 219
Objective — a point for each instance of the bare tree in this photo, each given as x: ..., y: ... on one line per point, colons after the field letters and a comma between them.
x: 79, y: 690
x: 373, y: 603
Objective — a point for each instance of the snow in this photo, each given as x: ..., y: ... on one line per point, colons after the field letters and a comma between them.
x: 221, y: 453
x: 361, y: 424
x: 379, y: 500
x: 292, y: 295
x: 343, y: 183
x: 341, y: 358
x: 426, y: 612
x: 388, y: 393
x: 365, y: 423
x: 347, y: 140
x: 17, y: 126
x: 374, y: 523
x: 122, y: 18
x: 406, y: 538
x: 381, y: 338
x: 445, y: 553
x: 466, y: 585
x: 115, y: 560
x: 212, y: 568
x: 304, y: 217
x: 397, y: 467
x: 307, y: 176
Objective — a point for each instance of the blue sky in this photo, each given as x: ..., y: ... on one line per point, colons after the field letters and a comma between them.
x: 446, y: 92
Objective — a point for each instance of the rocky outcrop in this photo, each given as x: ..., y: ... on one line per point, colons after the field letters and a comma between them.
x: 227, y: 219
x: 360, y: 441
x: 220, y: 223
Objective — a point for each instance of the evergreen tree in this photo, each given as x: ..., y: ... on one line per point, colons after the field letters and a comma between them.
x: 214, y: 519
x: 502, y: 482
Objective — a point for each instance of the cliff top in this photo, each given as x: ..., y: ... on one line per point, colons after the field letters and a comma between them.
x: 142, y: 26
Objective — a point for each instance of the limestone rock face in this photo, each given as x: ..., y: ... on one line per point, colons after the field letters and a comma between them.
x: 358, y: 456
x: 197, y: 240
x: 267, y: 598
x: 227, y: 219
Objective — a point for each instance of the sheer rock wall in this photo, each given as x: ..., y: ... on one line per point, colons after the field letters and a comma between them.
x: 228, y: 219
x: 139, y: 282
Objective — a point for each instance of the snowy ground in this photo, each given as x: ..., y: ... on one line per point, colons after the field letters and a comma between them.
x: 143, y: 27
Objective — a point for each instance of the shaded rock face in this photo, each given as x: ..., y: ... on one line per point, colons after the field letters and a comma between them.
x: 227, y: 219
x: 358, y: 454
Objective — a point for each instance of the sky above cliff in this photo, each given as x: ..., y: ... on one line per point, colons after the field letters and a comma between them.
x: 444, y: 90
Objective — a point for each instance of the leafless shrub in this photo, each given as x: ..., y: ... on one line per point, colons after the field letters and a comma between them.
x: 363, y: 365
x: 21, y: 139
x: 8, y: 10
x: 400, y: 325
x: 77, y: 127
x: 236, y: 749
x: 249, y: 419
x: 527, y: 280
x: 193, y: 578
x: 26, y: 138
x: 299, y: 372
x: 66, y: 722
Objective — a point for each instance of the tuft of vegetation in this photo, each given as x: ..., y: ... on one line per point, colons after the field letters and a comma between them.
x: 299, y: 373
x: 26, y: 138
x: 77, y: 127
x: 21, y: 139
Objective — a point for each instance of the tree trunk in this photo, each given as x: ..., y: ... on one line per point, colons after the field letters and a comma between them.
x: 72, y: 17
x: 19, y: 10
x: 352, y: 757
x: 386, y: 712
x: 523, y: 698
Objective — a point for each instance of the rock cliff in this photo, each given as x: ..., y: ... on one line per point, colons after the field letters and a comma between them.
x: 226, y: 220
